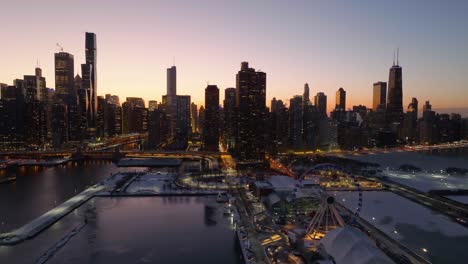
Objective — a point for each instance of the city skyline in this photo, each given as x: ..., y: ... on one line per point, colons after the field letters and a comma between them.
x: 287, y: 64
x: 254, y: 132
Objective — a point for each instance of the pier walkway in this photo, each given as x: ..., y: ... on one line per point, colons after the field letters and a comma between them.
x: 114, y: 186
x: 42, y: 222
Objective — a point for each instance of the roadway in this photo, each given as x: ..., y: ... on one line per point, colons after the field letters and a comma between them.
x: 366, y: 151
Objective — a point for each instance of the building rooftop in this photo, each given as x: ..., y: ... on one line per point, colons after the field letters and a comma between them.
x: 349, y: 245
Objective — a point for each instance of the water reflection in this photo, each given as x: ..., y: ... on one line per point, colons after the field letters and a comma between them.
x: 39, y: 189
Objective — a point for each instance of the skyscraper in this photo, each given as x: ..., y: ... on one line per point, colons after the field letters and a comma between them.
x: 112, y: 99
x: 83, y: 110
x: 296, y: 121
x: 59, y: 124
x: 379, y: 97
x: 229, y: 105
x: 170, y: 100
x: 409, y: 129
x: 156, y: 128
x: 320, y: 102
x: 251, y: 107
x: 114, y: 119
x: 177, y: 110
x: 35, y: 86
x: 182, y: 129
x: 194, y: 117
x: 340, y: 100
x: 306, y: 95
x: 152, y: 105
x: 428, y: 131
x: 279, y: 125
x: 201, y: 119
x: 134, y: 116
x: 310, y: 125
x: 89, y: 72
x: 172, y: 81
x: 64, y: 75
x: 101, y: 117
x: 211, y: 125
x: 395, y: 94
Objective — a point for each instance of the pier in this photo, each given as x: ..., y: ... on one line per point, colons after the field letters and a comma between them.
x: 117, y: 185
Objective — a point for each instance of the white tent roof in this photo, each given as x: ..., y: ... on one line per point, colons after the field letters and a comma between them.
x: 281, y: 182
x: 349, y: 245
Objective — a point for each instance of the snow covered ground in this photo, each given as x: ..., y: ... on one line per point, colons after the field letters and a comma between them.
x: 161, y: 183
x: 429, y: 178
x: 424, y: 161
x: 426, y: 232
x: 151, y: 183
x: 459, y: 198
x: 426, y: 181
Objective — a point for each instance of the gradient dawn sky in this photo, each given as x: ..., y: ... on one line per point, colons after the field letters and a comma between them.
x: 329, y: 44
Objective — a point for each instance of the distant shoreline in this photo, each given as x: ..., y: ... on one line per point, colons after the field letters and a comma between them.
x: 463, y: 111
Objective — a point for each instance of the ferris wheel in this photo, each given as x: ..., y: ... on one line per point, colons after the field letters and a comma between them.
x: 327, y: 218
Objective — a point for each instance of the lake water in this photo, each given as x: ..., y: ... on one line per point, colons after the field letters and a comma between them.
x: 137, y: 230
x: 39, y: 189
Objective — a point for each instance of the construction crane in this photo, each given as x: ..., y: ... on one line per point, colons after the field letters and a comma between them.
x: 60, y: 47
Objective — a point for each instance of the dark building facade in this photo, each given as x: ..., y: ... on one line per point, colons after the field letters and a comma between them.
x: 379, y: 96
x: 296, y: 116
x: 320, y: 102
x: 134, y: 116
x: 201, y: 119
x: 340, y: 100
x: 251, y: 113
x: 229, y: 118
x: 409, y: 131
x: 395, y: 95
x: 306, y: 94
x: 194, y: 117
x: 212, y: 120
x: 64, y: 75
x: 157, y: 128
x: 89, y: 76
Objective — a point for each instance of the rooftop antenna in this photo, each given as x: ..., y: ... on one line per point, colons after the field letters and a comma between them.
x: 393, y: 57
x: 397, y: 56
x: 37, y: 63
x: 60, y: 47
x: 173, y: 60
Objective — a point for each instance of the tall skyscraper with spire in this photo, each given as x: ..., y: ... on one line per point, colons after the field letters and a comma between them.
x: 171, y: 99
x: 395, y: 93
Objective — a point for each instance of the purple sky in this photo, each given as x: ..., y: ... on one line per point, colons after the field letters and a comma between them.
x: 329, y: 44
